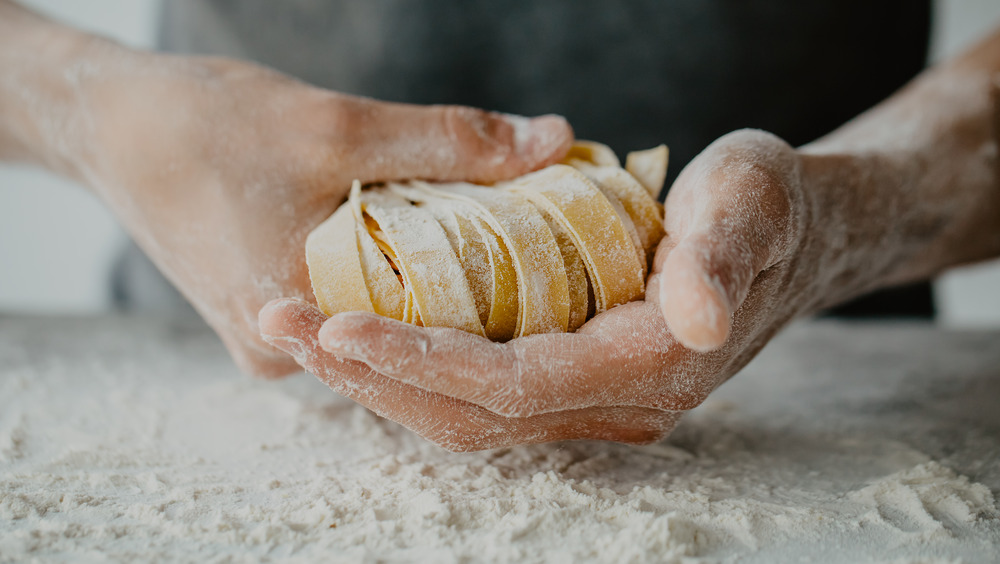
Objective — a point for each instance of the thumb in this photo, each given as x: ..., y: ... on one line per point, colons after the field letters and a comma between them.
x: 401, y: 141
x: 732, y: 218
x: 704, y: 282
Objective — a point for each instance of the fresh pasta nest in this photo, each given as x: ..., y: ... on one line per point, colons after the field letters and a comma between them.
x: 539, y: 254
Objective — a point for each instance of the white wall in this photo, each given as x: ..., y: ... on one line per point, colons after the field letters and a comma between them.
x: 969, y: 296
x: 57, y: 242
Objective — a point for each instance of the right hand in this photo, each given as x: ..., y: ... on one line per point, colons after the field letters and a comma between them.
x: 219, y: 169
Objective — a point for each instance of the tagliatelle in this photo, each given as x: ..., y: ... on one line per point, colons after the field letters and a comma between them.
x: 596, y: 228
x: 649, y: 167
x: 639, y: 204
x: 538, y: 254
x: 432, y: 274
x: 542, y: 288
x: 335, y: 265
x: 385, y: 286
x: 578, y: 284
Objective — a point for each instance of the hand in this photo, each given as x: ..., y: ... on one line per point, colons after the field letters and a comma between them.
x: 723, y: 283
x: 219, y: 169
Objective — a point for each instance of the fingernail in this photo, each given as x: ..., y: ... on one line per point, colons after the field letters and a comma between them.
x: 537, y: 139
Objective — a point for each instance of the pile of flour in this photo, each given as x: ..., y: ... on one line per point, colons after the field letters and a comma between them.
x: 124, y: 440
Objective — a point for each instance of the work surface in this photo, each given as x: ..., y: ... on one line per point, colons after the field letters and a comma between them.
x: 127, y: 439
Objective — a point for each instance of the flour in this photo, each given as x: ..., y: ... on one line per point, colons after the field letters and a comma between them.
x: 132, y: 440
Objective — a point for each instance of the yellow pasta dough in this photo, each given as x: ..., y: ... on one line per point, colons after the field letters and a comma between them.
x: 542, y: 253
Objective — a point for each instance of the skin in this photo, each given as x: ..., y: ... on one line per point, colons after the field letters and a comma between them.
x: 759, y: 233
x: 219, y: 168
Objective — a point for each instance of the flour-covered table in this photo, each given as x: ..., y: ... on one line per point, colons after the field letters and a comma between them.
x: 126, y: 439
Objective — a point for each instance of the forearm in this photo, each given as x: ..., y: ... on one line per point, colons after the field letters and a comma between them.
x: 911, y: 187
x: 44, y: 118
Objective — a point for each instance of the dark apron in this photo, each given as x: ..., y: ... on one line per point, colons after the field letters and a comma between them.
x: 631, y: 74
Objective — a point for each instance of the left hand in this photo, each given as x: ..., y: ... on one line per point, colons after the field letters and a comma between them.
x: 729, y: 273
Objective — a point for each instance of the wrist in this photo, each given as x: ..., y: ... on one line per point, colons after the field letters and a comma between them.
x: 849, y: 228
x: 911, y: 187
x: 44, y: 117
x: 880, y: 219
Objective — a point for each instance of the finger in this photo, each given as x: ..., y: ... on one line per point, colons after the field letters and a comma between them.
x: 694, y: 308
x: 729, y: 220
x: 292, y: 325
x: 447, y: 361
x: 617, y: 359
x: 706, y: 278
x: 699, y: 293
x: 402, y: 141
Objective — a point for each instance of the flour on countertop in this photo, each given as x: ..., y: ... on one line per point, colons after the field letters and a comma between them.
x: 126, y: 440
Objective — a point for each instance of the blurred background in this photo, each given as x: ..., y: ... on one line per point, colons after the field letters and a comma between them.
x: 57, y: 242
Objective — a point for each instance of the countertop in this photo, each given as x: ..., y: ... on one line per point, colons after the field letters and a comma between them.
x: 126, y: 437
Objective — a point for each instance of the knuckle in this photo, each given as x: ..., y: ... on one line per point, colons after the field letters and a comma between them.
x: 755, y: 177
x: 464, y: 121
x: 341, y: 114
x: 326, y: 133
x: 480, y: 135
x: 338, y: 121
x: 758, y: 139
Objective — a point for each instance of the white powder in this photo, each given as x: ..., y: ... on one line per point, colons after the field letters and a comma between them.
x: 132, y: 440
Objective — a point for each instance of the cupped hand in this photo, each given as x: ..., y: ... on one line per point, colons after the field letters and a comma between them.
x: 724, y: 281
x: 219, y: 169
